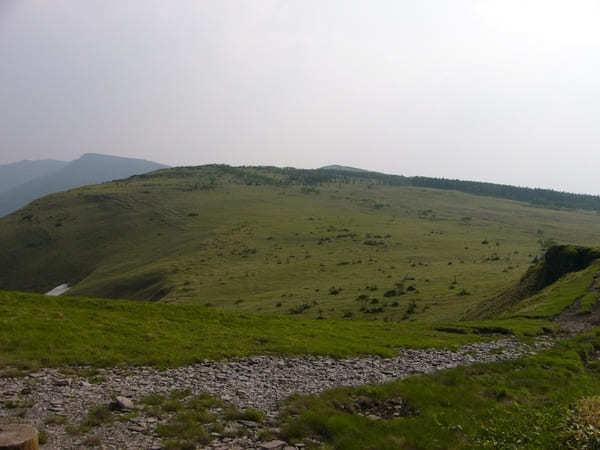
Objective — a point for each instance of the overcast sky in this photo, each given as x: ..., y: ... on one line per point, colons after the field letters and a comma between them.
x: 505, y: 91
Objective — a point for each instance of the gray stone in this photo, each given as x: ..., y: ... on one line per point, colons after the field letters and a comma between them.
x: 273, y: 445
x: 123, y: 403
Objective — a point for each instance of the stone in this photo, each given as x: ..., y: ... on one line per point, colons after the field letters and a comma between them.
x: 18, y: 437
x: 249, y: 423
x: 273, y: 445
x: 123, y: 403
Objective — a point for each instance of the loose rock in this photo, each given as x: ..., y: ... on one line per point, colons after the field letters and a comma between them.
x: 260, y: 382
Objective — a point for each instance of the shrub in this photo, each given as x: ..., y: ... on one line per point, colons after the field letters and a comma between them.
x: 299, y: 309
x: 248, y: 414
x: 582, y: 424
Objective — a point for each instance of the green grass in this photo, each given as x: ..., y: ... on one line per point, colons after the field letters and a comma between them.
x: 587, y: 302
x: 555, y: 298
x: 192, y: 418
x: 247, y: 414
x: 54, y: 331
x: 239, y: 239
x: 516, y: 404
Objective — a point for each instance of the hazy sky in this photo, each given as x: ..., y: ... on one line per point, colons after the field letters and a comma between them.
x: 505, y: 91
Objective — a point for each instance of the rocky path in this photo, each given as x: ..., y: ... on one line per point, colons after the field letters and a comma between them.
x: 260, y: 382
x: 573, y: 322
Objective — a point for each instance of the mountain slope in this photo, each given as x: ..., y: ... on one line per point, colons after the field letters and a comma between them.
x: 312, y: 243
x: 89, y: 169
x: 14, y: 174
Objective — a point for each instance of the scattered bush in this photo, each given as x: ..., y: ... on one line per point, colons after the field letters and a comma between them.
x: 373, y: 243
x: 412, y: 308
x: 299, y: 309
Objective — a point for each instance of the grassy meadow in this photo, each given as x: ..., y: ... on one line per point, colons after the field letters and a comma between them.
x: 251, y: 240
x: 39, y: 331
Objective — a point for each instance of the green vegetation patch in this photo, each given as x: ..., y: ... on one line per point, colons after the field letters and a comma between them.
x: 53, y: 331
x: 587, y: 302
x: 187, y: 421
x: 555, y: 298
x: 582, y: 428
x: 516, y: 404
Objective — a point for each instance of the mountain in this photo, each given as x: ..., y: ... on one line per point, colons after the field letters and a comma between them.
x: 91, y: 168
x: 343, y: 168
x: 314, y: 243
x: 14, y: 174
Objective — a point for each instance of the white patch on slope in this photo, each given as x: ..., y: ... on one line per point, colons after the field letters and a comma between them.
x: 58, y: 290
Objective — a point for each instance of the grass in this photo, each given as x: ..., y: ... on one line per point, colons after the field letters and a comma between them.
x: 97, y: 416
x: 56, y: 331
x: 555, y: 298
x: 515, y: 404
x: 187, y: 423
x: 587, y: 302
x: 251, y: 414
x: 583, y: 424
x: 192, y: 418
x: 239, y: 239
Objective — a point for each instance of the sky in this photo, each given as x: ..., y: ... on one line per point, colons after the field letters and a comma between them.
x: 504, y: 91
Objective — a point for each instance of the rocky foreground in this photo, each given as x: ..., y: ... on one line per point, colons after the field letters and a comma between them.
x: 51, y: 399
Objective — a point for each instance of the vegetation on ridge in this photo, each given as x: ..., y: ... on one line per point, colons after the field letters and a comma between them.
x: 318, y: 244
x: 536, y: 292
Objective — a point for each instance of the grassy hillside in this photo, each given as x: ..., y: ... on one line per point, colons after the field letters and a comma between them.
x: 311, y: 243
x: 537, y: 294
x: 52, y: 331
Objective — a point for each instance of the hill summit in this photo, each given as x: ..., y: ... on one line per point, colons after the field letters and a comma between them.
x: 343, y: 168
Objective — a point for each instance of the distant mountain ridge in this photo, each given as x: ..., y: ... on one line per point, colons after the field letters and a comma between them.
x: 343, y: 168
x: 546, y: 198
x: 91, y: 168
x: 14, y: 174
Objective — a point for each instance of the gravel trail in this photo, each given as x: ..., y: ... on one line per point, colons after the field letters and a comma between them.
x: 260, y: 382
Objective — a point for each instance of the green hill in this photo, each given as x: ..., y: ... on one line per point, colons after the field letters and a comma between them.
x: 316, y: 243
x: 104, y: 332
